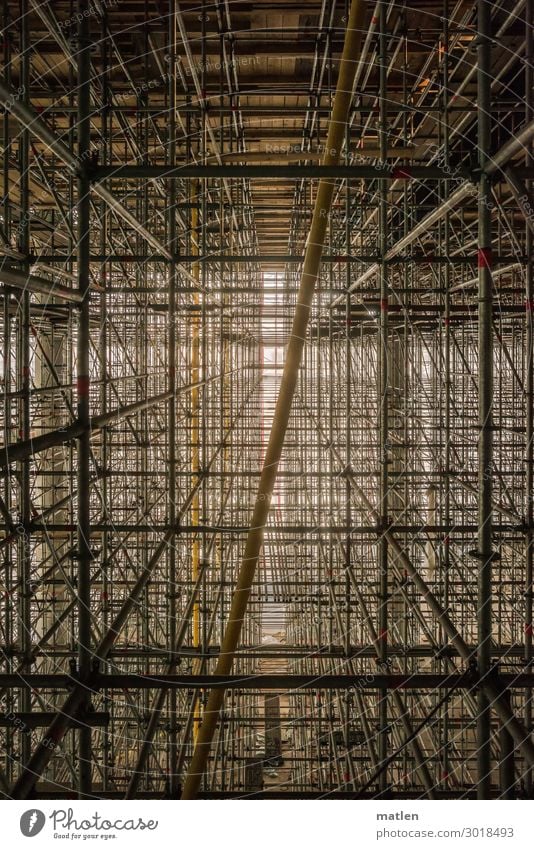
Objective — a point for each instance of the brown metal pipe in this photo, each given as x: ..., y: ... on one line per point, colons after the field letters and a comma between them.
x: 310, y: 272
x: 26, y: 448
x: 30, y: 283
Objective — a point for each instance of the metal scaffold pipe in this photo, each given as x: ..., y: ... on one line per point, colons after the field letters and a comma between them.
x: 312, y: 261
x: 85, y: 554
x: 485, y: 399
x: 195, y: 424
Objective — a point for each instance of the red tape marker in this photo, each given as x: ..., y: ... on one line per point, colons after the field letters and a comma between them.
x: 82, y: 385
x: 485, y: 258
x: 402, y: 173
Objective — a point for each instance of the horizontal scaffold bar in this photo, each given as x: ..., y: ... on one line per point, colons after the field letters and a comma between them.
x: 416, y: 681
x: 291, y: 172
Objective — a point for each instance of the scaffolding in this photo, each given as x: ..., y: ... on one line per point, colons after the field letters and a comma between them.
x: 161, y: 163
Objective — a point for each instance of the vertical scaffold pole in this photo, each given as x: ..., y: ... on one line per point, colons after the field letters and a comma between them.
x: 195, y: 428
x: 383, y: 409
x: 173, y: 247
x: 485, y: 396
x: 25, y: 545
x: 84, y: 527
x: 529, y: 436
